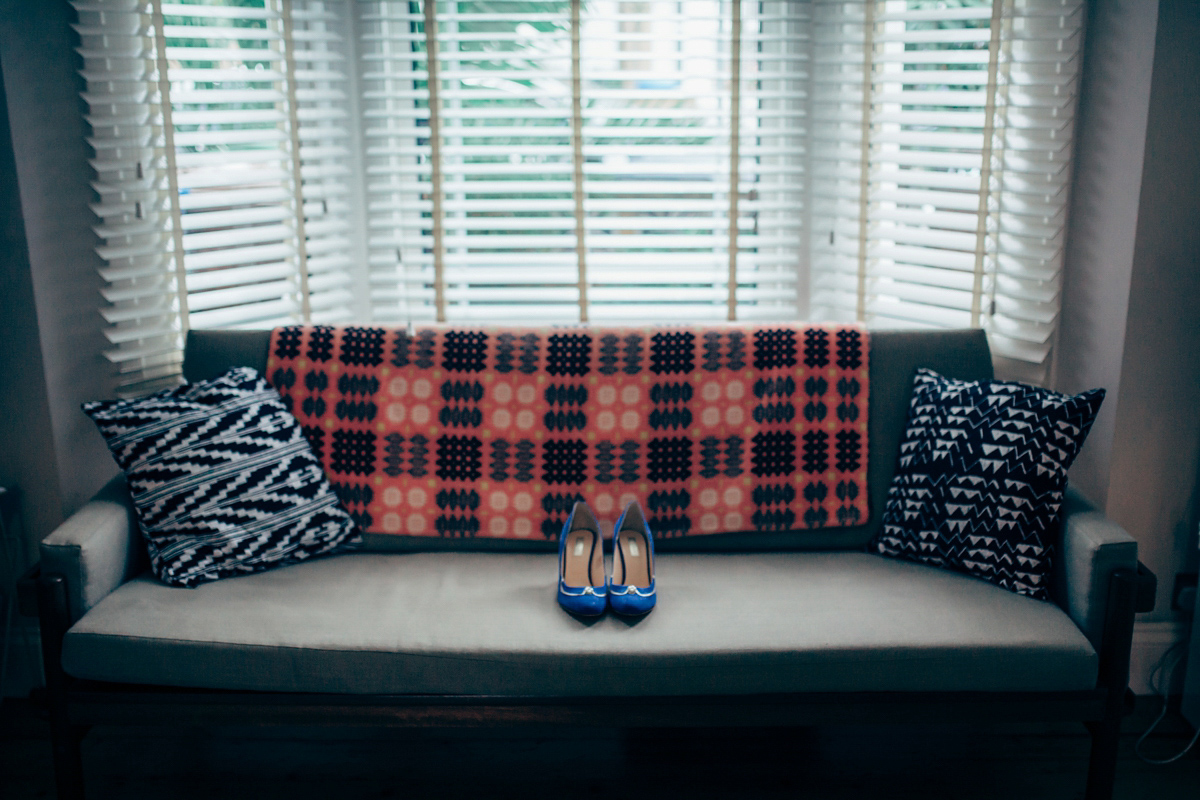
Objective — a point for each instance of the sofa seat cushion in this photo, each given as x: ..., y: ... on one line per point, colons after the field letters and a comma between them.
x: 487, y: 623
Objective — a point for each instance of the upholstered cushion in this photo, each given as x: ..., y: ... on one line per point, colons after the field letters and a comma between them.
x: 222, y: 478
x: 983, y: 467
x: 487, y: 623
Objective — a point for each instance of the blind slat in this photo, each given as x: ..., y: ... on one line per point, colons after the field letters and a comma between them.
x: 935, y: 209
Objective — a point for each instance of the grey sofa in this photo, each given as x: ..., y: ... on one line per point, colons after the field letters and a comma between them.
x: 751, y: 629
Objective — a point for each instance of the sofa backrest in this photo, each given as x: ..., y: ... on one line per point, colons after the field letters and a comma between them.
x: 894, y: 357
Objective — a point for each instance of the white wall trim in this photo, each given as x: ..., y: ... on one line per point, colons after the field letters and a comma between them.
x: 1151, y: 640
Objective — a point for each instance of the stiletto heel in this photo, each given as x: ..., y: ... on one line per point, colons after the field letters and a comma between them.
x: 582, y: 584
x: 631, y: 588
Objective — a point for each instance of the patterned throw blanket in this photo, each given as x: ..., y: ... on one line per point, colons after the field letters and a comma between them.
x: 496, y: 432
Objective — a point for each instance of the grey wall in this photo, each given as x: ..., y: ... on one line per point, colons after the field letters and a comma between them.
x: 51, y: 158
x: 1152, y: 482
x: 1110, y: 140
x: 1130, y: 319
x: 25, y: 460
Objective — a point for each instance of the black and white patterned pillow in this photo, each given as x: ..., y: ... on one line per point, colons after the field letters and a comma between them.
x: 222, y: 478
x: 983, y: 466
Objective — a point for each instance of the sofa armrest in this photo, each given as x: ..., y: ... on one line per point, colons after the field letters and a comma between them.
x: 1091, y: 548
x: 97, y: 549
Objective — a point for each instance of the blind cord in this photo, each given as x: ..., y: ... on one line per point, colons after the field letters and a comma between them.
x: 864, y: 162
x: 435, y: 158
x: 735, y: 125
x: 577, y: 155
x: 1163, y: 690
x: 985, y: 164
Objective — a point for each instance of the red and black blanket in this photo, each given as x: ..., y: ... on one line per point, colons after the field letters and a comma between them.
x: 497, y: 431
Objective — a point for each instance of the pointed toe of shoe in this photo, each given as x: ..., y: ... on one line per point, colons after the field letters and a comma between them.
x: 584, y: 604
x: 630, y: 603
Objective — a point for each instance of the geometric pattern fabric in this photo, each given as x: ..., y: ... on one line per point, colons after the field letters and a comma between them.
x: 496, y: 432
x: 982, y: 470
x: 222, y: 478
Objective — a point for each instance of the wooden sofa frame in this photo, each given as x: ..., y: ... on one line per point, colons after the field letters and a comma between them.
x: 74, y: 705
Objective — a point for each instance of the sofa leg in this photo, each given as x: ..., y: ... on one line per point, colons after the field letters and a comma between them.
x: 1102, y: 766
x: 1124, y: 590
x: 65, y: 738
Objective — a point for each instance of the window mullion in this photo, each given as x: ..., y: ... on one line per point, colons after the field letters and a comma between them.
x: 364, y: 308
x: 289, y: 56
x: 164, y: 92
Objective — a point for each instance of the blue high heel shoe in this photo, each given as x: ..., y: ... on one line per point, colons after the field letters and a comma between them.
x: 582, y: 584
x: 631, y: 587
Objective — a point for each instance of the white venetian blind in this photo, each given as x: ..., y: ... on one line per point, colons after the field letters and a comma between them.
x: 221, y: 141
x: 134, y: 196
x: 258, y: 162
x: 657, y: 116
x: 1036, y: 98
x: 941, y: 152
x: 505, y: 209
x: 658, y: 147
x: 773, y: 174
x: 324, y: 129
x: 602, y: 198
x: 229, y: 105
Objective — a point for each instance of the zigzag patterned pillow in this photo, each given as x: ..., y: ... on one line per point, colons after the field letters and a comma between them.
x: 983, y: 466
x: 223, y: 480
